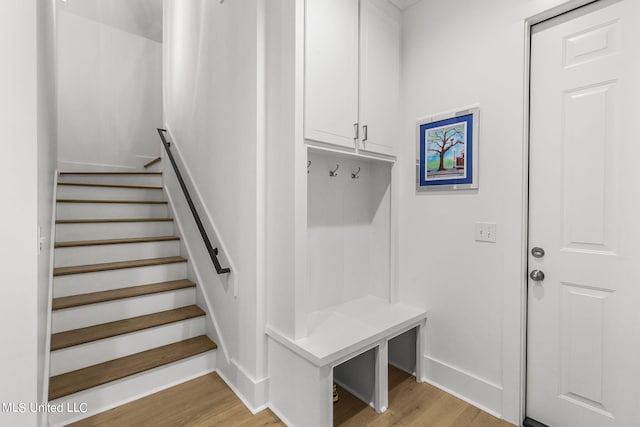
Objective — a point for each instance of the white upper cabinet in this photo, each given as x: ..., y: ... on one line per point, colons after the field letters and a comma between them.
x: 331, y: 71
x: 352, y: 62
x: 379, y: 76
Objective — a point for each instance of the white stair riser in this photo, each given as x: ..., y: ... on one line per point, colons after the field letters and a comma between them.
x: 112, y: 230
x: 110, y: 311
x: 81, y: 356
x: 113, y: 179
x: 109, y: 210
x: 82, y: 255
x: 74, y: 284
x: 108, y: 193
x: 99, y: 399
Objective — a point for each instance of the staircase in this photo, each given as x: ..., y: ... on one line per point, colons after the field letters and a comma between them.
x: 125, y: 321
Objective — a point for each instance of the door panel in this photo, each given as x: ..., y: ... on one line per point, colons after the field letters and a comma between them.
x: 585, y: 346
x: 583, y: 324
x: 588, y: 150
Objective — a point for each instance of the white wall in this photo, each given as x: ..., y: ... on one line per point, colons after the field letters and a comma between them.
x: 29, y: 133
x: 47, y: 162
x: 348, y: 230
x: 214, y: 110
x: 142, y: 17
x: 110, y: 94
x: 19, y: 257
x: 458, y: 53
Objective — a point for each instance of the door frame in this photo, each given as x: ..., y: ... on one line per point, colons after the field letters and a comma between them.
x: 547, y: 14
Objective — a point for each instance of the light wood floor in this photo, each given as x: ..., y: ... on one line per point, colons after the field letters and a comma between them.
x: 412, y: 404
x: 207, y: 401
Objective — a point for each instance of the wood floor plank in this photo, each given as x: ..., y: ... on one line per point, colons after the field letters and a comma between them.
x: 106, y: 330
x: 110, y: 173
x: 137, y: 187
x: 467, y: 417
x: 93, y: 268
x: 92, y: 376
x: 412, y: 404
x: 119, y: 202
x: 443, y: 413
x: 116, y: 294
x: 485, y: 420
x: 109, y: 220
x: 203, y: 402
x: 115, y: 241
x: 207, y: 401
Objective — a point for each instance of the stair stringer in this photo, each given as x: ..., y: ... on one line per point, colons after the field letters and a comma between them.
x: 193, y: 274
x: 252, y: 393
x: 43, y: 418
x: 221, y: 291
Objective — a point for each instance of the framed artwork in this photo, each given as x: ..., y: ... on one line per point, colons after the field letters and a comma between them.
x: 448, y: 151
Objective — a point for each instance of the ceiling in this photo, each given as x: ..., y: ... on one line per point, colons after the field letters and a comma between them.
x: 141, y: 17
x: 403, y: 4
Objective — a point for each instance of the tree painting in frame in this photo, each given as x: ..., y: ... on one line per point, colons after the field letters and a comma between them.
x: 448, y: 151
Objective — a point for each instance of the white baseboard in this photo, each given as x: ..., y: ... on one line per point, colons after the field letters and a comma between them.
x: 253, y: 393
x: 474, y: 390
x: 279, y: 414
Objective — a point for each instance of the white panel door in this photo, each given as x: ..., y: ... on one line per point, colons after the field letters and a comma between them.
x: 583, y: 353
x: 331, y: 71
x: 379, y: 76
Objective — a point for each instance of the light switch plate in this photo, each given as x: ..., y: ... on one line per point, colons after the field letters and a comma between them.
x: 485, y: 232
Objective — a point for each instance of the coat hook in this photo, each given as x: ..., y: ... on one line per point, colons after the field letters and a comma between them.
x: 354, y: 175
x: 308, y: 165
x: 333, y: 172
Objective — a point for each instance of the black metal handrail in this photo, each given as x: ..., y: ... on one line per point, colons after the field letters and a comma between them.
x: 213, y: 252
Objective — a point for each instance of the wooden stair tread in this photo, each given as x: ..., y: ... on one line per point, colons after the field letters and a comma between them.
x: 112, y: 173
x: 115, y: 241
x: 143, y: 202
x: 140, y: 187
x: 73, y: 337
x: 97, y: 221
x: 92, y: 268
x: 152, y: 162
x: 116, y: 294
x: 92, y: 376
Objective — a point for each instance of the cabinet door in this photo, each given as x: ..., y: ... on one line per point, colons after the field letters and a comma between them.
x: 379, y: 76
x: 331, y: 71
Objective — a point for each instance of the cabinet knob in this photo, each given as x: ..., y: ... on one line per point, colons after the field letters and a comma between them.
x: 364, y: 132
x: 355, y: 130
